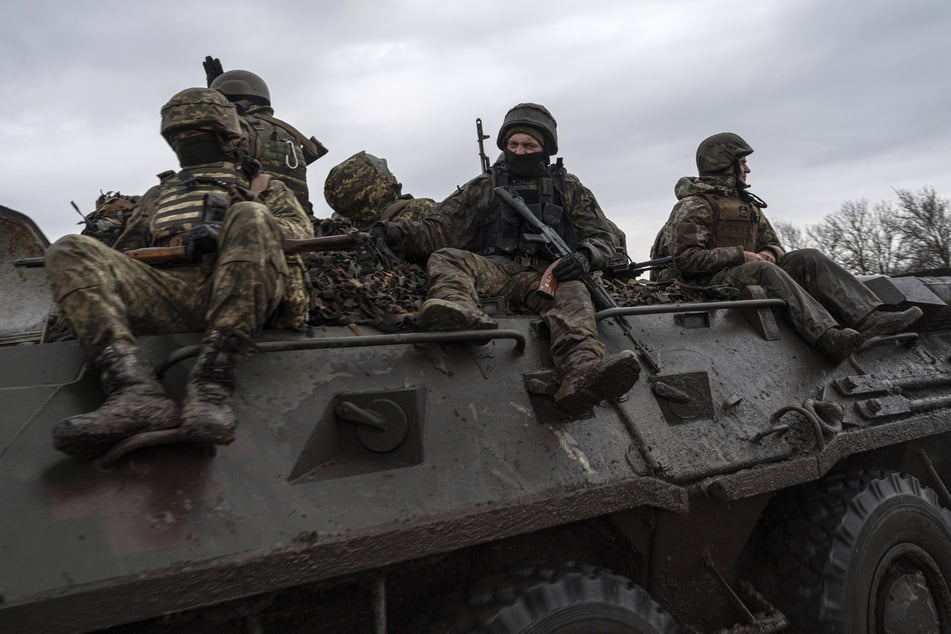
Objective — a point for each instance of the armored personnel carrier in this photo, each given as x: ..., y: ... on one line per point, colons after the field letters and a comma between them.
x: 414, y: 482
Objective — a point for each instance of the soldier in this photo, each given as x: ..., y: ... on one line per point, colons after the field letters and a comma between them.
x: 717, y: 234
x: 475, y: 243
x: 231, y: 220
x: 364, y: 190
x: 282, y: 150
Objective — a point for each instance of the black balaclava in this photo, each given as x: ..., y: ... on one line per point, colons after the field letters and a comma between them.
x: 199, y: 149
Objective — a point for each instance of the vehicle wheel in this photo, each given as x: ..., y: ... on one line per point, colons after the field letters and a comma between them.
x: 564, y: 598
x: 865, y: 553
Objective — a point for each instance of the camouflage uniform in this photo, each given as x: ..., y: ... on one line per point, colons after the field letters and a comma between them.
x: 108, y: 296
x: 364, y: 190
x: 476, y: 242
x: 283, y: 151
x: 716, y: 222
x: 237, y: 282
x: 711, y: 226
x: 458, y: 272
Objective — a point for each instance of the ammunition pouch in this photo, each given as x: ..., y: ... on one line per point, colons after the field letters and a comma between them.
x: 204, y: 238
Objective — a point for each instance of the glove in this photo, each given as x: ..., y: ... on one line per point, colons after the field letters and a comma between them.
x: 213, y: 69
x: 573, y: 266
x: 201, y: 239
x: 379, y: 236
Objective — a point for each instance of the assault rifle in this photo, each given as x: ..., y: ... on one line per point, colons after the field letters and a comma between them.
x: 360, y: 241
x: 633, y: 269
x: 480, y: 137
x: 559, y: 248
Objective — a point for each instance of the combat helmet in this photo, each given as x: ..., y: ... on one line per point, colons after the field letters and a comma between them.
x: 359, y: 187
x: 204, y: 109
x: 720, y: 151
x: 242, y: 84
x: 534, y: 116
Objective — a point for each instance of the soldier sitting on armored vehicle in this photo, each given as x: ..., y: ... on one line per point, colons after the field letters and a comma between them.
x: 718, y: 234
x: 230, y: 221
x: 475, y: 243
x: 281, y: 149
x: 363, y: 190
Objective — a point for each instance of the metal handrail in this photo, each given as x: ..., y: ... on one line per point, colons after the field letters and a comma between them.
x: 313, y: 343
x: 689, y: 307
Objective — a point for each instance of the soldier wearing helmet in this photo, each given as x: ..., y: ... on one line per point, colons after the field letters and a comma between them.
x: 364, y: 190
x: 476, y: 245
x: 231, y: 221
x: 718, y: 234
x: 282, y: 150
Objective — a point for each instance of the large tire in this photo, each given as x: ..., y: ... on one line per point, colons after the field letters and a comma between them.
x: 563, y: 598
x: 865, y: 553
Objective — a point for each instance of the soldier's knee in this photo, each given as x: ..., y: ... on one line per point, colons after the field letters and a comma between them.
x: 765, y: 273
x: 447, y: 255
x: 72, y: 249
x: 803, y: 256
x: 759, y: 268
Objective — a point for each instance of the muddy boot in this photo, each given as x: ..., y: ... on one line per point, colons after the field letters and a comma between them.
x: 839, y: 343
x: 588, y: 383
x: 441, y: 314
x: 135, y: 402
x: 880, y: 323
x: 207, y: 414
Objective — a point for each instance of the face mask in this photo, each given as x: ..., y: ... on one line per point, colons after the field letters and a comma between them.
x: 198, y: 150
x: 525, y: 165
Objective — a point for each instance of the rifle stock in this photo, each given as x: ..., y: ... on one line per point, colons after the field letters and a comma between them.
x: 342, y: 242
x: 158, y: 255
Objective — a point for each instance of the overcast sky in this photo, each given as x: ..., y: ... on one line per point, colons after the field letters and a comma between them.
x: 840, y: 100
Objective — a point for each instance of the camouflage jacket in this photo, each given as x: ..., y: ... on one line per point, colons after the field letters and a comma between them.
x: 457, y: 222
x: 711, y: 226
x: 293, y: 220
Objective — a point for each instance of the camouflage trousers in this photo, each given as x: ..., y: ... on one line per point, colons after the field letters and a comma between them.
x: 461, y: 276
x: 819, y: 293
x: 106, y: 296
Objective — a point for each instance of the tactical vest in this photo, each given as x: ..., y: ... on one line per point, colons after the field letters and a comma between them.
x: 190, y: 198
x: 280, y: 155
x: 736, y: 222
x: 504, y: 230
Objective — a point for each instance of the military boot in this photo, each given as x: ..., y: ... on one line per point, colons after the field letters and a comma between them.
x: 135, y: 402
x: 839, y: 343
x: 880, y: 323
x: 441, y: 314
x: 207, y: 413
x: 587, y: 383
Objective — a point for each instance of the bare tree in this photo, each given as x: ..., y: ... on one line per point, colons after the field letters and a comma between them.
x: 862, y: 239
x: 924, y: 225
x: 790, y: 236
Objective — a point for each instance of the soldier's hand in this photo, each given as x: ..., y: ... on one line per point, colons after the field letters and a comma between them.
x: 379, y: 235
x: 213, y: 68
x: 749, y: 256
x: 201, y: 239
x: 573, y: 266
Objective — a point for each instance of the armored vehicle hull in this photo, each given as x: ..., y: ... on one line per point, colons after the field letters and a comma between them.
x: 398, y: 482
